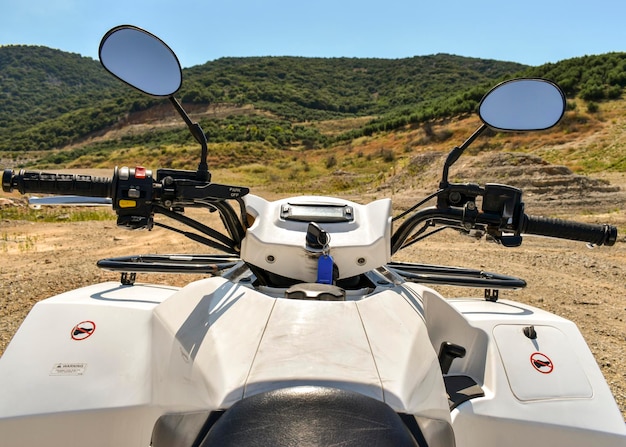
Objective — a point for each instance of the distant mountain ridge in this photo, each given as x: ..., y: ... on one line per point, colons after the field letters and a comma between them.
x: 50, y: 99
x: 338, y: 85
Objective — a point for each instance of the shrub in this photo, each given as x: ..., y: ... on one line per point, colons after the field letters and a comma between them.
x: 331, y: 162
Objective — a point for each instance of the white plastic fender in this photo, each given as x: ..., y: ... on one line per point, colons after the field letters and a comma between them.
x: 78, y: 369
x: 562, y: 399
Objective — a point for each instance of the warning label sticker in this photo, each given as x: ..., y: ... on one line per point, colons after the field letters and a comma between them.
x: 68, y: 369
x: 541, y: 363
x: 83, y: 330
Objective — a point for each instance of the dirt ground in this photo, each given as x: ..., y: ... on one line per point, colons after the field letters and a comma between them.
x: 585, y: 285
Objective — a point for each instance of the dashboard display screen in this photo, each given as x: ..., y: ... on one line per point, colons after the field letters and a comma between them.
x: 317, y: 213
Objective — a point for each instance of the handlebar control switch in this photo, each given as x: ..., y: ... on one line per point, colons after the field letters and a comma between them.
x: 133, y: 198
x: 504, y: 202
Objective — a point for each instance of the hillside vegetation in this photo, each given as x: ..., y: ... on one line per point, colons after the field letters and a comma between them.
x: 41, y: 85
x: 289, y: 120
x: 55, y: 99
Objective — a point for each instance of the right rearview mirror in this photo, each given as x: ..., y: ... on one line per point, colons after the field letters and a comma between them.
x: 523, y: 105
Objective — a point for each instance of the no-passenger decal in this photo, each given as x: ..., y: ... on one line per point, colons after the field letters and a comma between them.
x: 541, y: 363
x: 83, y: 330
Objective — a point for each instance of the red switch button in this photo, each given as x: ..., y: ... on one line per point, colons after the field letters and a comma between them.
x: 140, y: 172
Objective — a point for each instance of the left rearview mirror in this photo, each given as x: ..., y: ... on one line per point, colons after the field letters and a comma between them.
x: 141, y: 60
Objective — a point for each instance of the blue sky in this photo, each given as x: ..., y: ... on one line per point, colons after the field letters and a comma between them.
x: 530, y: 32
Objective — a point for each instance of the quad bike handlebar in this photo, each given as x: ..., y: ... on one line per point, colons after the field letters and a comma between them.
x: 54, y: 183
x: 136, y: 196
x: 179, y: 188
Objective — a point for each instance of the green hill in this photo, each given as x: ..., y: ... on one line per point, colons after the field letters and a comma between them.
x: 39, y: 84
x: 60, y: 108
x: 52, y: 99
x: 314, y: 88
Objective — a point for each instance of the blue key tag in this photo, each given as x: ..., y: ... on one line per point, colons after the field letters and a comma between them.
x: 325, y: 269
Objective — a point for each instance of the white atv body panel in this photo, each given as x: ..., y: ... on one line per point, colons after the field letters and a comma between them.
x: 143, y: 351
x: 254, y: 343
x: 276, y: 243
x: 102, y: 363
x: 562, y: 400
x: 97, y: 388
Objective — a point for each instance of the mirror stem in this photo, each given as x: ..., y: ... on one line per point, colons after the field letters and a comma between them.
x: 455, y: 153
x: 200, y: 136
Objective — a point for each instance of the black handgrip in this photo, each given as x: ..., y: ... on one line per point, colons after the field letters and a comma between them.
x: 53, y: 183
x: 564, y: 229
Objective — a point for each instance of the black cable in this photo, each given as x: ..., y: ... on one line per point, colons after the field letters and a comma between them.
x: 196, y: 226
x: 413, y: 239
x: 417, y: 205
x: 197, y: 238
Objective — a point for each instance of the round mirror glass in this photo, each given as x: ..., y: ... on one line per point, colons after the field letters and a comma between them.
x: 141, y: 60
x: 523, y: 104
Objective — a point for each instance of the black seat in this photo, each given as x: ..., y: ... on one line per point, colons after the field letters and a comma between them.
x: 299, y: 416
x: 309, y: 417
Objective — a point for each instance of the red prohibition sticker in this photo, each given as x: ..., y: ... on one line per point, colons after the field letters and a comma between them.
x: 83, y: 330
x: 541, y: 363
